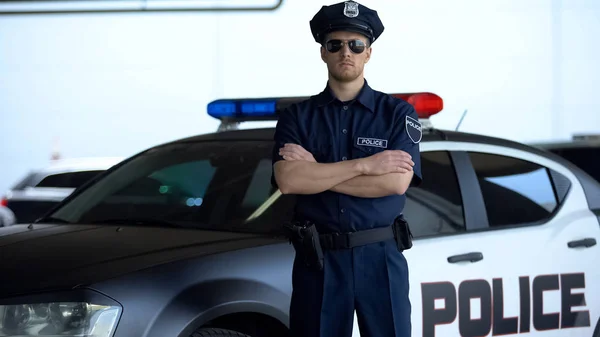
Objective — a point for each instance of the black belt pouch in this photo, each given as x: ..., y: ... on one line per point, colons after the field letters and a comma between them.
x: 402, y: 234
x: 305, y: 239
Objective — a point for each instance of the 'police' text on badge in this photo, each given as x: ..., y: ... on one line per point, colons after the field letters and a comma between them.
x: 414, y: 129
x: 382, y: 143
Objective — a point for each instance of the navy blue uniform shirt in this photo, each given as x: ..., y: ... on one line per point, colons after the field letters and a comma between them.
x: 334, y: 131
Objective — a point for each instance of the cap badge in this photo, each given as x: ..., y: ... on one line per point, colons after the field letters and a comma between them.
x: 351, y: 9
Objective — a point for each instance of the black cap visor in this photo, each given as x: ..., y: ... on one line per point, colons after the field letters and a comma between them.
x: 350, y: 27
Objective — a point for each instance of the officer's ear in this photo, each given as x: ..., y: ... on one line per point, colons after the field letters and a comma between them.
x: 323, y: 51
x: 368, y: 55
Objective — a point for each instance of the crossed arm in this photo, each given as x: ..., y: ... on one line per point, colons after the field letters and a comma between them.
x: 385, y: 173
x: 375, y: 186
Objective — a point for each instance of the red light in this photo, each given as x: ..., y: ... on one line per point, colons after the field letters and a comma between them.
x: 426, y: 104
x: 3, y: 202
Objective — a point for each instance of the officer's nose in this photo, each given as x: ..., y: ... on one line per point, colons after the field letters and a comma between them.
x: 345, y: 52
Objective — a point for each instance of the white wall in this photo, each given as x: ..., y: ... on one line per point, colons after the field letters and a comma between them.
x: 115, y: 84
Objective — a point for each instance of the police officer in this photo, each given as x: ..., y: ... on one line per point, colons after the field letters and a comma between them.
x: 349, y: 154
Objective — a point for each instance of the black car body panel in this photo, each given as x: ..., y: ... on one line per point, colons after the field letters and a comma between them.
x: 49, y: 257
x: 188, y: 293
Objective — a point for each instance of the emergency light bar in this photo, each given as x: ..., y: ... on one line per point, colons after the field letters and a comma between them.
x: 231, y: 112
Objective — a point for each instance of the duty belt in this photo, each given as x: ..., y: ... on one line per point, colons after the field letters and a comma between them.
x: 353, y: 239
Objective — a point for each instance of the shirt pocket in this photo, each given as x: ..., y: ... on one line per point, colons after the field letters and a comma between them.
x: 321, y: 151
x: 365, y: 146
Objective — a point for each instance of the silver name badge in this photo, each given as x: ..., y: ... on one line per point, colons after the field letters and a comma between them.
x: 382, y: 143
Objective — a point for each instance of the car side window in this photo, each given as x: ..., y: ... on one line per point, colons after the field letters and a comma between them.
x: 435, y: 207
x: 516, y: 191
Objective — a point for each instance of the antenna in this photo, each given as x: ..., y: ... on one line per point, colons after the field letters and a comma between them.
x: 461, y: 119
x: 55, y: 155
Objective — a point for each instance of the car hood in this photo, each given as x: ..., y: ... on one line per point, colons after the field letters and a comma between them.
x: 47, y: 256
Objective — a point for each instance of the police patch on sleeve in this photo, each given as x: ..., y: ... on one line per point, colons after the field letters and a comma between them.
x: 413, y: 129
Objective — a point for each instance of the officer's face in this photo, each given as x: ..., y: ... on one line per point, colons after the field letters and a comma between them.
x: 344, y: 64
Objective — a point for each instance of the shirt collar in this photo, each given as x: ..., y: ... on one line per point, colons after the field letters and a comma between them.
x: 366, y: 97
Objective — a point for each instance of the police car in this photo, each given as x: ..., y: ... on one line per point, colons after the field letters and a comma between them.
x: 184, y: 239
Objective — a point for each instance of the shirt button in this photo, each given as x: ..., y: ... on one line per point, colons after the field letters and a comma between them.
x: 342, y: 210
x: 345, y: 107
x: 344, y: 131
x: 344, y: 158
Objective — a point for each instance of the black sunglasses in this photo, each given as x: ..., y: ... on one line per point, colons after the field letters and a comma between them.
x: 356, y: 46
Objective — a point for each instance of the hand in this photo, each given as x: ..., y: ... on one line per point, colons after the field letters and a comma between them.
x: 388, y: 161
x: 291, y: 152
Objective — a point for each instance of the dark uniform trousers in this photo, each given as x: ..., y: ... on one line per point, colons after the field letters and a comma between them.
x: 373, y: 279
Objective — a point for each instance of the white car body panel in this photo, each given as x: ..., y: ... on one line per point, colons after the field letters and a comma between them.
x: 513, y: 258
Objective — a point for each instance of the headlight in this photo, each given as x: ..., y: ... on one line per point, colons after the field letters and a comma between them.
x: 66, y: 319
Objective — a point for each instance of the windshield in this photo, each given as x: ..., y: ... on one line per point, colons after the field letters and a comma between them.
x: 220, y: 185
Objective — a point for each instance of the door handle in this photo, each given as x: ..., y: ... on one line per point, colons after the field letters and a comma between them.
x: 471, y: 257
x: 587, y: 243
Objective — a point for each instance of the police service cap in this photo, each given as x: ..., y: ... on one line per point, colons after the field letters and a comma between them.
x: 347, y: 16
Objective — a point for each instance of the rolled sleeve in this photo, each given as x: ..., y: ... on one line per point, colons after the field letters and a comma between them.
x: 407, y: 137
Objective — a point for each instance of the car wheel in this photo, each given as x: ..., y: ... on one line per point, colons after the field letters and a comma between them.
x: 210, y: 332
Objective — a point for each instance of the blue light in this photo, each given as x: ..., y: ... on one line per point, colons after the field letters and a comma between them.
x: 242, y: 108
x: 221, y: 108
x: 258, y: 108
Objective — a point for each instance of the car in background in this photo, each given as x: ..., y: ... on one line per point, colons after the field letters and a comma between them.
x: 42, y: 189
x: 7, y: 217
x: 185, y: 240
x: 583, y: 151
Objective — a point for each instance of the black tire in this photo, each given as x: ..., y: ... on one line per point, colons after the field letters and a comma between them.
x: 210, y: 332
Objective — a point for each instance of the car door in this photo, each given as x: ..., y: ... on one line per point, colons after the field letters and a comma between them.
x: 493, y: 252
x: 444, y: 263
x: 470, y: 277
x: 538, y: 226
x: 451, y: 278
